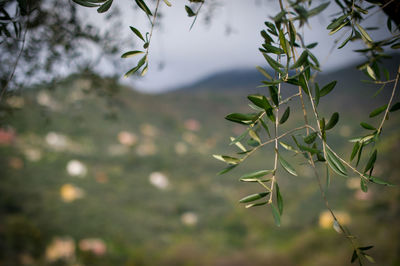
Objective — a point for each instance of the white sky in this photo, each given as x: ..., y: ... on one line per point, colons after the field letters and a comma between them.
x: 190, y: 55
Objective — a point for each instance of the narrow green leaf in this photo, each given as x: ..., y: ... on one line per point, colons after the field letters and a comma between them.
x: 137, y: 32
x: 264, y: 125
x: 317, y: 94
x: 105, y: 7
x: 84, y: 3
x: 257, y: 174
x: 378, y: 110
x: 256, y: 204
x: 273, y: 92
x: 335, y: 163
x: 274, y: 64
x: 287, y: 146
x: 167, y: 3
x: 371, y: 161
x: 266, y: 37
x: 287, y: 166
x: 253, y: 197
x: 354, y: 256
x: 338, y: 21
x: 379, y: 181
x: 369, y: 258
x: 359, y: 153
x: 303, y: 84
x: 332, y: 121
x: 241, y: 118
x: 318, y: 9
x: 327, y: 88
x: 260, y: 101
x: 310, y: 138
x: 312, y: 45
x: 308, y: 149
x: 344, y: 23
x: 240, y: 137
x: 371, y: 72
x: 365, y: 248
x: 144, y: 70
x: 356, y: 147
x: 272, y: 49
x: 255, y: 136
x: 292, y: 33
x: 227, y: 159
x: 144, y: 7
x: 131, y: 54
x: 395, y: 107
x: 227, y: 169
x: 264, y: 72
x: 132, y: 71
x: 364, y: 33
x: 363, y: 185
x: 346, y: 41
x: 279, y: 199
x: 301, y: 60
x: 275, y: 214
x: 285, y: 116
x: 189, y: 11
x: 367, y: 126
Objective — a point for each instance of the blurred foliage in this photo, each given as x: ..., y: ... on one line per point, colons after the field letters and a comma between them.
x: 141, y: 223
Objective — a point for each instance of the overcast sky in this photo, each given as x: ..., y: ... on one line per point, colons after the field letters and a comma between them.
x: 230, y: 41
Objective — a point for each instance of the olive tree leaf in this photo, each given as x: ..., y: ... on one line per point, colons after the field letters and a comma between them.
x: 287, y: 166
x: 335, y: 164
x: 105, y: 7
x: 253, y: 197
x: 332, y: 121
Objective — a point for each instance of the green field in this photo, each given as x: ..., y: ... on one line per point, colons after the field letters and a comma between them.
x: 94, y: 173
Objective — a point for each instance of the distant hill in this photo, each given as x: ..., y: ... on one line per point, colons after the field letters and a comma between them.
x: 244, y: 81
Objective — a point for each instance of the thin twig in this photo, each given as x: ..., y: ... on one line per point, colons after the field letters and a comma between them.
x: 197, y: 14
x: 390, y: 101
x: 4, y: 89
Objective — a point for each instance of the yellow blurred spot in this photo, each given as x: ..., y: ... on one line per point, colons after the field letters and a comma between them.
x: 326, y: 219
x: 94, y: 245
x: 61, y: 248
x: 70, y: 193
x: 148, y: 130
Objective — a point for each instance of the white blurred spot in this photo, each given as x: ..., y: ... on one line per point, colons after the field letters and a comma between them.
x: 70, y: 193
x: 159, y: 180
x: 76, y: 168
x: 94, y: 245
x: 44, y: 99
x: 61, y: 248
x: 33, y: 154
x: 189, y: 218
x: 181, y: 148
x: 126, y: 138
x: 56, y: 141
